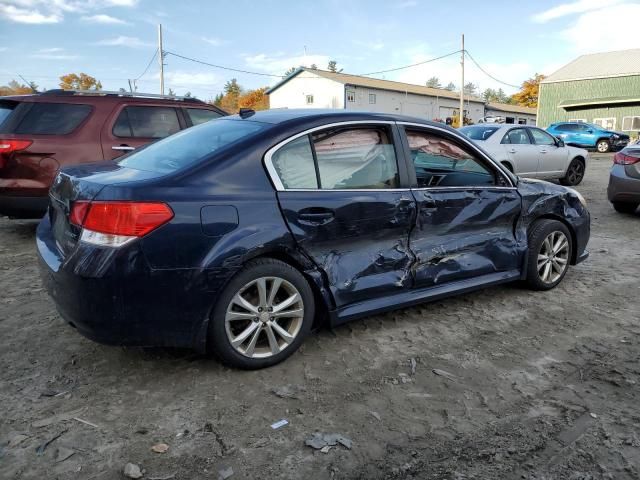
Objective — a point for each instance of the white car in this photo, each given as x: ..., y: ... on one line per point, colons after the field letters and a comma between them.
x: 530, y: 151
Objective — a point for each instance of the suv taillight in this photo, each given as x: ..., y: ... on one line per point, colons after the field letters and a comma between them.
x: 12, y: 145
x: 115, y: 223
x: 622, y: 159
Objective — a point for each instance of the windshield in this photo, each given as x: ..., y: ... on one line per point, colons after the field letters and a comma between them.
x: 191, y: 145
x: 479, y: 132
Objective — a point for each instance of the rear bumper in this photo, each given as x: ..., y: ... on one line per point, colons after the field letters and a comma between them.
x: 111, y: 296
x: 622, y: 187
x: 23, y: 207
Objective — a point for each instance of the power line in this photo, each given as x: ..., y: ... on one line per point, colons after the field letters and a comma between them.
x: 148, y: 65
x: 222, y: 67
x: 412, y: 65
x: 487, y: 73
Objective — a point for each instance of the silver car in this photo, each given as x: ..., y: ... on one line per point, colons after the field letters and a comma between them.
x: 530, y: 151
x: 624, y: 180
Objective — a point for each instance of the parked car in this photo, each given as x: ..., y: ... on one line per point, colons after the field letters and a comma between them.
x: 531, y: 152
x: 588, y: 135
x: 43, y: 132
x: 624, y: 180
x: 236, y: 235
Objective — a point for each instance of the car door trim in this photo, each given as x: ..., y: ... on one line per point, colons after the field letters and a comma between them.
x: 275, y: 178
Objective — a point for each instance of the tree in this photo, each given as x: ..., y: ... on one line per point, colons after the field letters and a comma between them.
x: 451, y: 87
x: 314, y: 66
x: 232, y: 87
x: 528, y: 94
x: 188, y: 95
x: 171, y: 92
x: 332, y: 66
x: 434, y: 82
x: 290, y: 71
x: 72, y: 81
x: 217, y: 101
x: 470, y: 88
x: 255, y: 99
x: 15, y: 88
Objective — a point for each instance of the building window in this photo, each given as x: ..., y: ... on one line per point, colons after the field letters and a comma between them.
x: 578, y: 120
x: 309, y: 99
x: 522, y: 121
x: 631, y: 124
x: 510, y: 120
x: 351, y: 96
x: 606, y: 123
x: 372, y: 98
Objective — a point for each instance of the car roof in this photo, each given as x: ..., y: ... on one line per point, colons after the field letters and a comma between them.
x: 286, y: 115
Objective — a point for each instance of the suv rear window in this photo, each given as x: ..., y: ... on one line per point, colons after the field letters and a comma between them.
x: 45, y: 118
x: 6, y: 108
x: 190, y: 146
x: 146, y: 122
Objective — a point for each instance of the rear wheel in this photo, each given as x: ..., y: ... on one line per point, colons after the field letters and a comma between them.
x: 549, y: 254
x: 262, y: 316
x: 603, y: 146
x: 575, y: 173
x: 625, y: 207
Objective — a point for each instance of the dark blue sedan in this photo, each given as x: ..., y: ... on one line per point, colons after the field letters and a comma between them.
x: 241, y: 234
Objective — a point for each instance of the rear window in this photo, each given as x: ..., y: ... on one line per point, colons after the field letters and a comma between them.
x: 5, y: 110
x: 201, y: 115
x: 45, y: 118
x: 189, y: 146
x: 479, y: 133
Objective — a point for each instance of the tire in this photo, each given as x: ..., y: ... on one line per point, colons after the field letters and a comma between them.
x: 231, y: 320
x: 575, y: 173
x: 603, y: 146
x: 624, y: 207
x: 539, y: 233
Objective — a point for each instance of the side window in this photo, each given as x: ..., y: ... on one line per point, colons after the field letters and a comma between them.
x: 441, y: 163
x: 517, y: 136
x: 146, y: 122
x: 542, y: 138
x: 294, y: 164
x: 201, y: 115
x: 52, y: 118
x: 355, y: 158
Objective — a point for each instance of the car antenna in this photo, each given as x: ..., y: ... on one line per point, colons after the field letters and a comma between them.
x: 246, y: 112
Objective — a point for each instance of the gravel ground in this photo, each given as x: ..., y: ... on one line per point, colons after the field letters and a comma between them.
x: 502, y: 383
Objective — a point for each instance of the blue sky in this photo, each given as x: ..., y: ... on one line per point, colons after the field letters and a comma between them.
x: 114, y: 40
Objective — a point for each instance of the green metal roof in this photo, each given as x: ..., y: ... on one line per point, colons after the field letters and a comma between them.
x: 599, y: 101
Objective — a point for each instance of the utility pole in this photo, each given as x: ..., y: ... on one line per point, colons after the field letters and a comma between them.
x: 461, y: 124
x: 161, y: 59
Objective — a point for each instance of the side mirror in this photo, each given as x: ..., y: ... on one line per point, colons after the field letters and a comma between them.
x: 589, y: 131
x: 559, y: 143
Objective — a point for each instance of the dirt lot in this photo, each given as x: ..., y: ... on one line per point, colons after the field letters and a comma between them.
x: 528, y: 385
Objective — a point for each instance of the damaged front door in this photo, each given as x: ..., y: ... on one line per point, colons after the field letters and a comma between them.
x: 467, y: 210
x: 341, y: 198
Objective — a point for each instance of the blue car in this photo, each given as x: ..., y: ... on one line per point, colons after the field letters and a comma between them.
x: 588, y: 135
x: 239, y: 235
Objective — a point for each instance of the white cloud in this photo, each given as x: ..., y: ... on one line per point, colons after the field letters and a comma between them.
x: 123, y: 41
x: 279, y: 63
x: 369, y: 45
x: 53, y: 11
x: 53, y: 53
x: 216, y: 42
x: 29, y: 16
x: 50, y: 50
x: 407, y: 4
x: 577, y: 7
x: 104, y: 19
x: 610, y: 28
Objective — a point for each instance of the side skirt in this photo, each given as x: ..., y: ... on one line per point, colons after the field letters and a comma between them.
x: 413, y: 297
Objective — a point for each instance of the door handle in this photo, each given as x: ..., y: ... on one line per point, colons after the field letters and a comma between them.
x: 316, y: 216
x: 124, y: 148
x: 543, y: 151
x: 428, y: 203
x: 513, y: 150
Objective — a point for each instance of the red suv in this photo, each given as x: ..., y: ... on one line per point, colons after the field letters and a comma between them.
x: 43, y: 132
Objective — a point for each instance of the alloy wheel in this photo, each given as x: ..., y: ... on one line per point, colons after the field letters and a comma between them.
x: 603, y: 147
x: 575, y: 173
x: 553, y: 257
x: 264, y: 317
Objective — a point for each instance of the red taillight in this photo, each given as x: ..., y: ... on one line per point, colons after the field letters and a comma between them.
x: 10, y: 146
x: 622, y: 159
x: 132, y: 219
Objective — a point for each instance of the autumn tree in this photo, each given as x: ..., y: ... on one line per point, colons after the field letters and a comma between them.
x: 72, y: 81
x: 434, y: 82
x: 15, y: 88
x: 254, y: 99
x: 528, y: 94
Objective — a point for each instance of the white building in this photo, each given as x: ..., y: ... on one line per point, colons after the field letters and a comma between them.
x: 307, y: 88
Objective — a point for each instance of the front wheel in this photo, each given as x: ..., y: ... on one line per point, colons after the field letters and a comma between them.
x: 549, y: 254
x: 603, y: 146
x: 262, y: 316
x: 575, y: 173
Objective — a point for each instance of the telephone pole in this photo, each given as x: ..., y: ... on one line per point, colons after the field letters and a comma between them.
x: 461, y: 124
x: 161, y: 59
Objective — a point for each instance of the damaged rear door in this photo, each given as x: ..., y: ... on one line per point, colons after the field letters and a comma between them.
x: 467, y: 210
x: 339, y: 189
